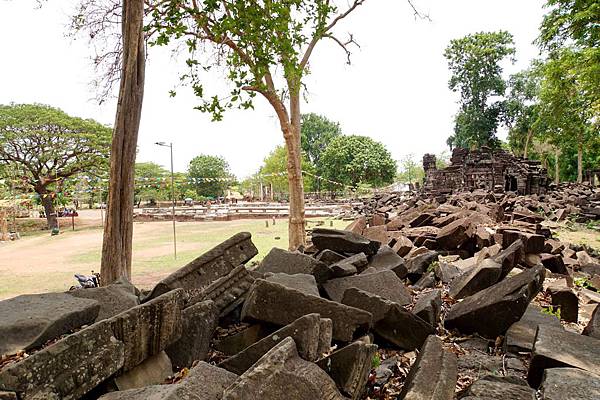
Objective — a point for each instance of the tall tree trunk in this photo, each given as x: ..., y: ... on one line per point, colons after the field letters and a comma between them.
x: 557, y: 166
x: 294, y: 167
x: 580, y: 162
x: 527, y: 141
x: 46, y: 198
x: 118, y: 231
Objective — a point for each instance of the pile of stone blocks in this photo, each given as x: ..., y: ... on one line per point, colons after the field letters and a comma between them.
x: 316, y: 324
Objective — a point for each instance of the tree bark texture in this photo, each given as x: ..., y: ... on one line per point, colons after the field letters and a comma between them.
x: 579, y: 162
x: 527, y: 141
x: 49, y: 209
x: 118, y: 230
x: 557, y: 166
x: 297, y: 235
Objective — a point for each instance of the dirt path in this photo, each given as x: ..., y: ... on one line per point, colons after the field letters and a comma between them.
x: 35, y: 264
x: 43, y: 263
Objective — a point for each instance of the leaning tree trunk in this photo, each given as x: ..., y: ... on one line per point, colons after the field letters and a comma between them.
x: 579, y: 163
x: 557, y: 166
x: 118, y: 230
x: 46, y: 198
x: 294, y: 168
x: 527, y: 141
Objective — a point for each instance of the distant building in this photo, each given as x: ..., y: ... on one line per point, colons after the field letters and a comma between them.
x: 494, y: 170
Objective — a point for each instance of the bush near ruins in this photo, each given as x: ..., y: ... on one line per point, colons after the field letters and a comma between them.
x: 352, y: 160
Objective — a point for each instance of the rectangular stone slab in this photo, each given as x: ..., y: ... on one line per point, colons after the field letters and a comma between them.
x: 343, y: 241
x: 68, y: 368
x: 203, y: 382
x: 390, y: 320
x: 152, y: 371
x: 433, y: 375
x: 492, y: 311
x: 500, y: 387
x: 287, y: 262
x: 282, y: 374
x: 387, y: 259
x: 305, y: 331
x: 521, y: 334
x: 114, y: 298
x: 482, y: 276
x: 303, y: 282
x: 279, y: 305
x: 570, y: 383
x: 199, y: 324
x: 149, y: 328
x: 554, y: 347
x: 30, y: 320
x: 210, y: 266
x: 234, y: 343
x: 349, y: 367
x: 385, y: 284
x: 429, y: 306
x: 227, y: 292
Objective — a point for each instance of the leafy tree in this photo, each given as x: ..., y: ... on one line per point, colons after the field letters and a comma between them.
x: 567, y: 20
x: 564, y: 107
x: 317, y: 132
x: 209, y: 175
x: 152, y: 182
x: 474, y: 62
x: 274, y: 170
x: 45, y: 146
x: 265, y: 48
x: 183, y: 187
x: 410, y: 170
x: 522, y: 109
x: 442, y: 160
x: 353, y: 160
x: 576, y: 23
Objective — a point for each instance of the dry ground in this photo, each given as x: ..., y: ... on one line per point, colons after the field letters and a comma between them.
x: 40, y: 263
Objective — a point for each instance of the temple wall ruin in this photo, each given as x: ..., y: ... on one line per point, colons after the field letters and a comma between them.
x: 494, y: 170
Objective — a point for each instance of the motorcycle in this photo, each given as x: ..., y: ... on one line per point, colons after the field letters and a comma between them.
x: 87, y: 281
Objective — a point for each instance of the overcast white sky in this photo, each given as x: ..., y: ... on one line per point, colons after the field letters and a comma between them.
x: 395, y: 91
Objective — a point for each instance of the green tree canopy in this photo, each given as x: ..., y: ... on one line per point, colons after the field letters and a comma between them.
x: 576, y: 24
x: 44, y: 146
x: 522, y: 109
x: 265, y: 48
x: 566, y: 109
x: 209, y: 175
x: 274, y: 170
x: 152, y: 182
x: 353, y: 160
x: 316, y: 133
x: 474, y: 62
x: 410, y: 171
x: 576, y: 20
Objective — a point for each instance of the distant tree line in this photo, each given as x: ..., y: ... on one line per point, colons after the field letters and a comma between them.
x: 331, y: 161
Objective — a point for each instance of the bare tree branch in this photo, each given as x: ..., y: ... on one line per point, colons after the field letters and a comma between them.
x: 327, y: 29
x: 344, y: 45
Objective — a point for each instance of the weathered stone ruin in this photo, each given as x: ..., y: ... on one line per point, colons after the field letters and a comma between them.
x: 447, y: 296
x: 493, y: 170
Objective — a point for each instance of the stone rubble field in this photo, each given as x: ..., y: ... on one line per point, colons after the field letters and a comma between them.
x: 467, y: 296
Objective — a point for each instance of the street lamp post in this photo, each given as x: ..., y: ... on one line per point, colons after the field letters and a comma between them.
x: 170, y: 146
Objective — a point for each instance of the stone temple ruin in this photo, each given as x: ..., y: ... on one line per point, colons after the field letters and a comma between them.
x: 494, y: 170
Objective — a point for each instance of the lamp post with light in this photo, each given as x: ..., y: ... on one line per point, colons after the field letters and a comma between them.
x: 170, y: 146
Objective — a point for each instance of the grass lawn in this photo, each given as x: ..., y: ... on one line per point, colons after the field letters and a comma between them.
x: 41, y: 263
x: 579, y: 234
